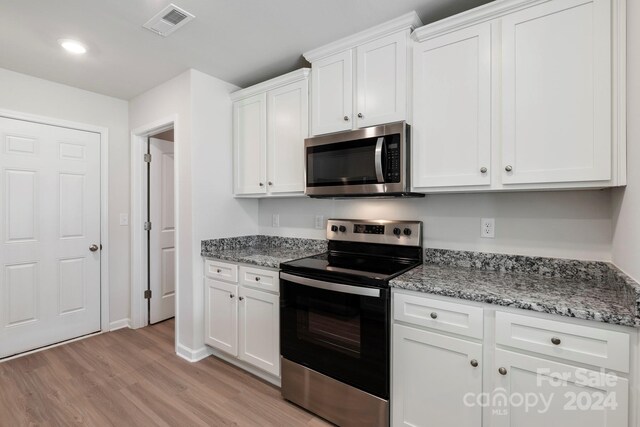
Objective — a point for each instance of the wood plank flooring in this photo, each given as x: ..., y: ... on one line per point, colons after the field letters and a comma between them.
x: 133, y: 378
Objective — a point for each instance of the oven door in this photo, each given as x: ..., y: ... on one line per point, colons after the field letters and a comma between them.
x: 339, y: 330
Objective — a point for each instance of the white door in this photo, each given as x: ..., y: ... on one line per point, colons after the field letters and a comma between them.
x: 557, y: 93
x: 381, y: 81
x: 575, y: 396
x: 332, y: 93
x: 432, y: 374
x: 50, y: 217
x: 288, y: 126
x: 162, y: 245
x: 250, y: 145
x: 221, y: 316
x: 452, y: 109
x: 259, y: 329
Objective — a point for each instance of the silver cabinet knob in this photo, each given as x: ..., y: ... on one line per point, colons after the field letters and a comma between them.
x: 218, y: 271
x: 555, y: 341
x: 241, y: 298
x: 434, y: 315
x: 474, y: 363
x: 508, y: 168
x: 270, y: 183
x: 502, y: 371
x: 231, y: 295
x: 360, y: 115
x: 257, y: 279
x: 483, y: 170
x: 346, y: 118
x: 261, y: 184
x: 93, y: 248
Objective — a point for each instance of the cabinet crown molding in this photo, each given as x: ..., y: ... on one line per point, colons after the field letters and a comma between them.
x: 293, y: 76
x: 477, y: 15
x: 408, y: 21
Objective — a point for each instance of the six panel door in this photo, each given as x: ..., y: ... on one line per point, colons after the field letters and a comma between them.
x: 452, y: 109
x: 250, y: 144
x: 50, y: 217
x: 557, y: 93
x: 332, y: 93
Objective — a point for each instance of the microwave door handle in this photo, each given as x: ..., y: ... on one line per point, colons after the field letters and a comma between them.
x: 378, y: 160
x: 329, y: 286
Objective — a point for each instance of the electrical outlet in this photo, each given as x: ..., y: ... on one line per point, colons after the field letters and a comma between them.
x: 319, y: 222
x: 275, y: 220
x: 488, y: 228
x: 124, y: 219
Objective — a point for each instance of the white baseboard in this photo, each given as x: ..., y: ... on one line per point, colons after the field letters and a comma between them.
x: 191, y: 355
x: 119, y: 324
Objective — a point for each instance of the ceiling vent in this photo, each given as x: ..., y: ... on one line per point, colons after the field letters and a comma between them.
x: 168, y: 20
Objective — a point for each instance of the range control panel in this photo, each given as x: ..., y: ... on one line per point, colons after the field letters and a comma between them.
x: 405, y: 233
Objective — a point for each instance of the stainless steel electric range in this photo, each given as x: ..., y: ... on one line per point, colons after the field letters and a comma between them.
x: 335, y: 320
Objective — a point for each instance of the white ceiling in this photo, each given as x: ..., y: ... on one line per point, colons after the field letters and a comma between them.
x: 239, y: 41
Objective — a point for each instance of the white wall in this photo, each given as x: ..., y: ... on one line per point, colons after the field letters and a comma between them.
x: 568, y: 224
x: 206, y: 208
x: 23, y: 93
x: 626, y: 202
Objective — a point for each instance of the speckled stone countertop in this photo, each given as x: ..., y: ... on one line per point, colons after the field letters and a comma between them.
x: 263, y: 251
x: 582, y: 289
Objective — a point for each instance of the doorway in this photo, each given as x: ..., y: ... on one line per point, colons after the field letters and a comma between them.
x: 161, y: 253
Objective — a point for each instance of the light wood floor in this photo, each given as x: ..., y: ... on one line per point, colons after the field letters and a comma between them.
x: 133, y: 378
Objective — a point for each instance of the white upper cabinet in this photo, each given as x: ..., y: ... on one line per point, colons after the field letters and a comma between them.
x: 250, y: 144
x: 331, y: 88
x: 270, y: 123
x: 452, y: 112
x: 381, y: 80
x: 532, y: 91
x: 556, y: 71
x: 362, y: 80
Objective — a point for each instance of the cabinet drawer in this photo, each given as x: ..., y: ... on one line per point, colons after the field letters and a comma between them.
x: 593, y: 346
x: 267, y: 280
x: 221, y: 270
x: 440, y: 315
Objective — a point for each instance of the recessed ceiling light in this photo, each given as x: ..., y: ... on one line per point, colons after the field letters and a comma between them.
x: 73, y: 46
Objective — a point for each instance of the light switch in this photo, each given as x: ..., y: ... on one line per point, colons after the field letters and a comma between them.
x: 124, y: 219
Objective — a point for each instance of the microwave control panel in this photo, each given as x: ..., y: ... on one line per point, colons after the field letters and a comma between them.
x: 393, y: 161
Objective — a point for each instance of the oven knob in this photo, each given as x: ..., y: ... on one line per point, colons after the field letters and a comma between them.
x: 334, y: 228
x: 397, y: 231
x: 407, y: 232
x: 343, y: 228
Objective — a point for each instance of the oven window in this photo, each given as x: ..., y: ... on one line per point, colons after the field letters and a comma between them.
x: 343, y: 163
x: 331, y: 326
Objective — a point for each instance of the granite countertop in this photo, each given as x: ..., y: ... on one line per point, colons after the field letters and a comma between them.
x: 586, y: 290
x: 263, y: 251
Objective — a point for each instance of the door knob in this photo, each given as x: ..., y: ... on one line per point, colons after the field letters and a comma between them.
x: 93, y: 248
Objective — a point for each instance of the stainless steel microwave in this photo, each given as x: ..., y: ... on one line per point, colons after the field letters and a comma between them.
x: 369, y: 162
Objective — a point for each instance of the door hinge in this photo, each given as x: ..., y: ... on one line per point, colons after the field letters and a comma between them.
x: 147, y: 225
x: 147, y: 158
x: 147, y: 294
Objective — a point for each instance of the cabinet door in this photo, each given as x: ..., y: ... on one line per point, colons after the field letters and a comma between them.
x: 221, y: 316
x: 381, y: 81
x: 288, y: 126
x: 432, y: 376
x: 557, y: 394
x: 332, y: 93
x: 452, y: 109
x: 260, y: 330
x: 250, y: 145
x: 557, y: 93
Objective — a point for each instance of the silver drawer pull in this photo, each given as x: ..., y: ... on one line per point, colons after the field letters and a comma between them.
x: 218, y: 271
x: 502, y: 371
x: 555, y: 341
x: 257, y: 279
x: 231, y: 295
x: 434, y: 315
x: 474, y: 363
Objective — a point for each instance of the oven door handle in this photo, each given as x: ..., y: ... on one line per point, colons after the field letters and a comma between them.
x: 378, y: 160
x: 329, y: 286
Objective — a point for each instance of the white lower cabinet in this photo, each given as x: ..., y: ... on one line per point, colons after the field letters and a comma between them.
x: 532, y: 392
x: 519, y: 370
x: 242, y: 319
x: 433, y: 374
